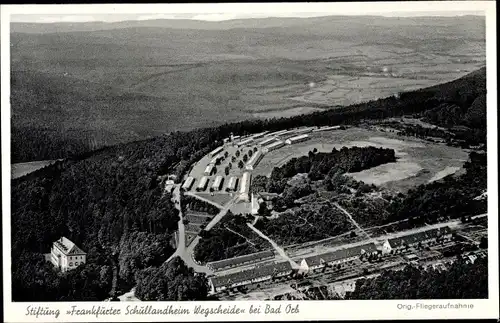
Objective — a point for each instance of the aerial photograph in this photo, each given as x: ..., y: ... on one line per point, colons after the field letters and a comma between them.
x: 258, y: 157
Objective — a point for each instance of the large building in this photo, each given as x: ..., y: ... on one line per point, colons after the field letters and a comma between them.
x: 245, y: 186
x: 202, y: 185
x: 296, y: 139
x: 231, y: 185
x: 254, y: 160
x: 65, y: 255
x: 216, y: 151
x: 240, y: 260
x: 251, y: 276
x: 188, y: 183
x: 217, y: 184
x: 335, y: 258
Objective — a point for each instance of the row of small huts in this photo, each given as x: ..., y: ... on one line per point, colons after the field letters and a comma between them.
x: 314, y: 263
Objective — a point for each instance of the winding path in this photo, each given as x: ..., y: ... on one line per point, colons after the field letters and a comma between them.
x: 280, y: 250
x: 352, y: 220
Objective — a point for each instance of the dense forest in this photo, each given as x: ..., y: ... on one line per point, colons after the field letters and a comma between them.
x: 453, y: 197
x: 110, y: 202
x: 319, y: 165
x: 461, y: 281
x: 172, y: 281
x: 222, y: 242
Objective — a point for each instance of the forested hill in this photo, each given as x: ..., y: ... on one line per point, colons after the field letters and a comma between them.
x: 111, y: 203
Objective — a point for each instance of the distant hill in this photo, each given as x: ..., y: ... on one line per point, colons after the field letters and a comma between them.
x: 82, y: 86
x: 259, y: 23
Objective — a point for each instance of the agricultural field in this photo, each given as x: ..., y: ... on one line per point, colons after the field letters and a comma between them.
x: 145, y: 81
x: 418, y: 161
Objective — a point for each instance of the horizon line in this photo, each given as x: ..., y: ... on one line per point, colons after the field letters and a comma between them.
x: 209, y: 18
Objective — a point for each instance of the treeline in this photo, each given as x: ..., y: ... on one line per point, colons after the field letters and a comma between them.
x: 319, y: 165
x: 221, y: 242
x: 172, y: 281
x: 452, y: 197
x: 461, y: 281
x: 110, y: 203
x: 195, y: 204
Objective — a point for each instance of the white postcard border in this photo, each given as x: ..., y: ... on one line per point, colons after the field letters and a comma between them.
x: 308, y: 310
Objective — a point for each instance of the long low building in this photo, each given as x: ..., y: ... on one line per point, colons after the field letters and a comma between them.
x: 278, y: 133
x: 328, y: 128
x: 231, y: 185
x: 202, y: 185
x: 217, y: 184
x: 244, y: 142
x: 241, y: 260
x: 423, y: 237
x: 188, y: 183
x: 216, y: 159
x: 336, y: 257
x: 303, y: 130
x: 297, y: 139
x: 259, y: 135
x: 267, y: 141
x: 245, y: 186
x: 275, y: 145
x: 216, y: 151
x: 254, y: 160
x: 209, y: 169
x: 251, y: 276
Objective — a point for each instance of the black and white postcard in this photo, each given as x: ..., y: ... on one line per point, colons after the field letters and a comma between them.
x: 232, y: 162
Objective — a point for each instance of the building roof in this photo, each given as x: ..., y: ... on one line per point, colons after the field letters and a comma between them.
x: 68, y: 247
x: 275, y: 144
x: 340, y: 254
x: 419, y: 236
x: 215, y: 265
x: 249, y: 274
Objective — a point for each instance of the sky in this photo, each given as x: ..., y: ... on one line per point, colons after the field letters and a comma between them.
x: 220, y: 12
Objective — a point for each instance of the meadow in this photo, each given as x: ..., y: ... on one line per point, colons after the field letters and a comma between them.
x: 418, y: 161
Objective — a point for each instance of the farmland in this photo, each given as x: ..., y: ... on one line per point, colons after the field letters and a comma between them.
x: 145, y: 81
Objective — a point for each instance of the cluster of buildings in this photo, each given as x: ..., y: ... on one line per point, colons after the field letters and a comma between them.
x: 318, y: 262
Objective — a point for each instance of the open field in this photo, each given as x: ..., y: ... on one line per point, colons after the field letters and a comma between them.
x: 418, y: 161
x: 21, y: 169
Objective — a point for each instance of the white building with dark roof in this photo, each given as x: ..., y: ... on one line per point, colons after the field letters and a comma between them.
x: 188, y: 183
x: 245, y: 186
x: 254, y: 160
x: 216, y: 151
x: 296, y: 139
x: 217, y: 184
x: 65, y: 255
x: 231, y: 185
